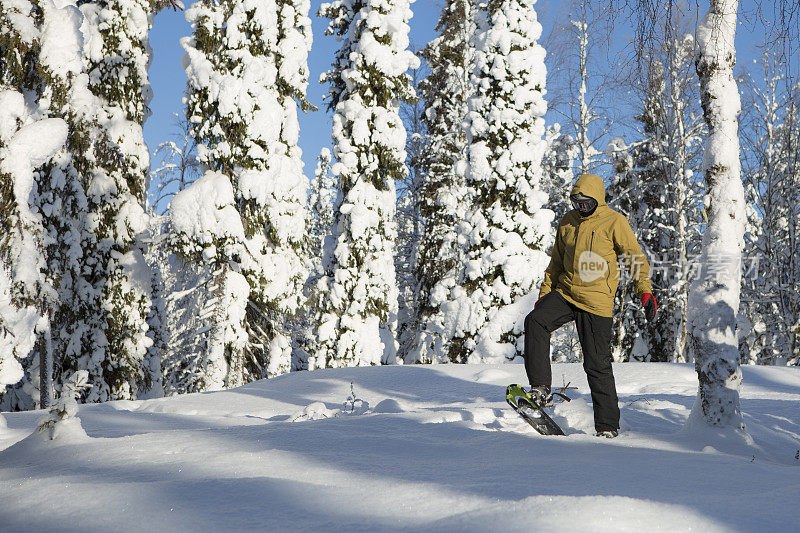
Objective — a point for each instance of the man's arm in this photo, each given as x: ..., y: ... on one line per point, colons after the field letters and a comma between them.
x: 555, y: 268
x: 625, y: 244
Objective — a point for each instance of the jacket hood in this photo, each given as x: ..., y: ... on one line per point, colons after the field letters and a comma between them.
x: 591, y: 186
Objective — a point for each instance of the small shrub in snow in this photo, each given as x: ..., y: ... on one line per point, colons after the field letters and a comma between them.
x: 313, y: 411
x: 354, y: 405
x: 61, y: 418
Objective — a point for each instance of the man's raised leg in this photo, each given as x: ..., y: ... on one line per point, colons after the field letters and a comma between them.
x: 552, y: 312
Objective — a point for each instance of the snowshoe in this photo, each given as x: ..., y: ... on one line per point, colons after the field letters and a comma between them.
x: 531, y: 411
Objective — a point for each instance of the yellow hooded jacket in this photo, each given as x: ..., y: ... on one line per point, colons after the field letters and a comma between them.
x: 583, y: 265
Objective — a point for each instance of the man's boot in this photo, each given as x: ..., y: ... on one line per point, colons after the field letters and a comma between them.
x: 609, y: 433
x: 541, y: 395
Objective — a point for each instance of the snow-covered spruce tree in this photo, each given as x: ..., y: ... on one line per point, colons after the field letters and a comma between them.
x: 320, y: 207
x: 77, y: 338
x: 86, y: 216
x: 445, y: 93
x: 756, y: 340
x: 26, y: 294
x: 321, y: 198
x: 247, y: 69
x: 179, y: 295
x: 507, y: 229
x: 714, y: 296
x: 117, y: 64
x: 17, y: 333
x: 624, y: 195
x: 368, y: 80
x: 75, y: 330
x: 207, y: 229
x: 283, y: 189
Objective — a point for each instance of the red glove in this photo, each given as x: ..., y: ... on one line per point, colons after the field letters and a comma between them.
x: 650, y: 306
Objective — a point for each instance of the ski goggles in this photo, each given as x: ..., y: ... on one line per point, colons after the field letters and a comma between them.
x: 583, y: 203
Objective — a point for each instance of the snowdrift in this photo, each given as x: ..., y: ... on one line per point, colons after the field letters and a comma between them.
x: 430, y: 448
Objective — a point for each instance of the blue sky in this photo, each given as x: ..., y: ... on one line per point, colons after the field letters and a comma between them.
x: 168, y: 79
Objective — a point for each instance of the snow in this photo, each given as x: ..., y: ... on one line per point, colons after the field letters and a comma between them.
x: 30, y: 147
x: 18, y: 13
x: 61, y: 39
x: 17, y: 333
x: 12, y: 109
x: 205, y: 210
x: 439, y: 451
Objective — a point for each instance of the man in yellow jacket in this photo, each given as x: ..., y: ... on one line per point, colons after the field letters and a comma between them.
x: 579, y: 284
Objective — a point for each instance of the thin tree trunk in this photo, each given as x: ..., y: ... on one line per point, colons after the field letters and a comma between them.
x: 46, y: 372
x: 583, y: 133
x: 679, y: 351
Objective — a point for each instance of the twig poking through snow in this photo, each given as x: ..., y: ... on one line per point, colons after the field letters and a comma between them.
x: 354, y: 405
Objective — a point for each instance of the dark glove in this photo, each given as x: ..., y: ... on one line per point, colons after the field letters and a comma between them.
x: 650, y: 306
x: 537, y: 303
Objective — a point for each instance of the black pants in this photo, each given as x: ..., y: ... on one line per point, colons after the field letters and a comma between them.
x: 594, y: 333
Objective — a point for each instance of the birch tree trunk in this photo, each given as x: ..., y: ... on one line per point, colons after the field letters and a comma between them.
x: 714, y: 298
x: 681, y: 131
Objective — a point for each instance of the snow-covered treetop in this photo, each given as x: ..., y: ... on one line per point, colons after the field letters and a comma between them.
x: 238, y: 113
x: 506, y: 115
x: 382, y: 44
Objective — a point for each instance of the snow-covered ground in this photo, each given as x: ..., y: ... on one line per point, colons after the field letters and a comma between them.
x: 436, y: 449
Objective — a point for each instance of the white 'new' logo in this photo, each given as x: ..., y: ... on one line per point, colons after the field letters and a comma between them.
x: 591, y: 266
